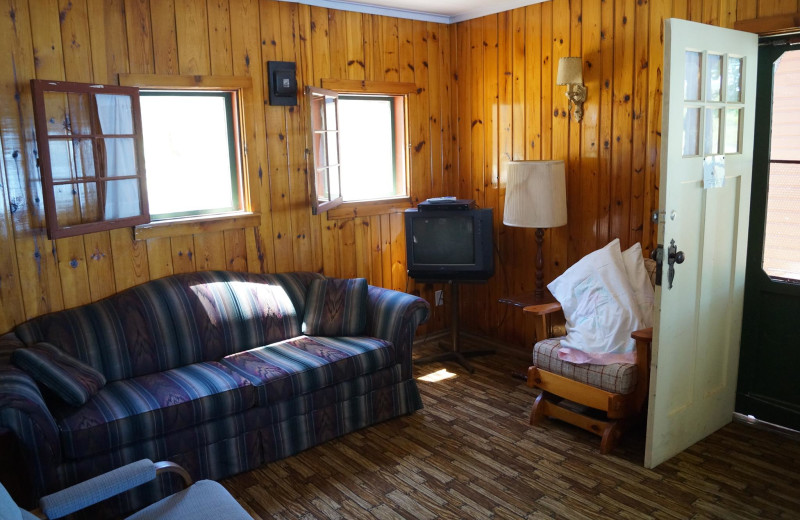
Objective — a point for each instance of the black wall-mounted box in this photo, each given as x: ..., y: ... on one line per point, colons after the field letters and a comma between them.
x: 282, y: 83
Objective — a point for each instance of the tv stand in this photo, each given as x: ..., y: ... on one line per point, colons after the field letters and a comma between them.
x: 454, y: 353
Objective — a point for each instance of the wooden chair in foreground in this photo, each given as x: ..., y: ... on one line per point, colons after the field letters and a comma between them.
x: 602, y: 399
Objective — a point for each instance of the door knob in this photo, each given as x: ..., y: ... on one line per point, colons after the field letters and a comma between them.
x: 673, y: 257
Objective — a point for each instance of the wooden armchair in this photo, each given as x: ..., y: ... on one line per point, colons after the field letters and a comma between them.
x: 602, y: 399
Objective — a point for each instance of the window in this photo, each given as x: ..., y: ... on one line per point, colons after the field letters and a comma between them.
x: 94, y: 142
x: 781, y: 260
x: 372, y: 142
x: 195, y: 130
x: 190, y: 147
x: 359, y: 143
x: 89, y: 139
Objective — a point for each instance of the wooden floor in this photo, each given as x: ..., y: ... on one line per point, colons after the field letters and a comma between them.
x: 471, y: 454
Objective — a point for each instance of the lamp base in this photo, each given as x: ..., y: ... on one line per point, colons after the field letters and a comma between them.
x: 539, y: 291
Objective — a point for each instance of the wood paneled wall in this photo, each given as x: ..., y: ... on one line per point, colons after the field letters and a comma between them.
x: 94, y: 40
x: 486, y: 95
x: 508, y: 107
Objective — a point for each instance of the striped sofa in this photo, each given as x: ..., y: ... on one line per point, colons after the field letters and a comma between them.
x: 209, y: 370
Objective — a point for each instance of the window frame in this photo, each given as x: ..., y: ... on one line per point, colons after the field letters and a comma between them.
x: 43, y: 139
x: 249, y: 214
x: 231, y: 109
x: 401, y: 92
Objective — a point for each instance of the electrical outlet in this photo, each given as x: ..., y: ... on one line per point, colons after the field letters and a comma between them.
x: 439, y: 298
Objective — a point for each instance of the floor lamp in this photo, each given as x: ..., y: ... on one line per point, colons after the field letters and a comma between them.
x: 536, y: 197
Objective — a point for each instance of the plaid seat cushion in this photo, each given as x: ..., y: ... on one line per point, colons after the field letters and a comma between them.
x: 618, y: 378
x: 154, y: 405
x: 307, y: 363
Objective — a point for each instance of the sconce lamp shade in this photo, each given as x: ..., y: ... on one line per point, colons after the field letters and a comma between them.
x: 570, y: 71
x: 536, y: 194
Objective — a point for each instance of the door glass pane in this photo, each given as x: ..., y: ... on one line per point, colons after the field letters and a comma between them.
x: 714, y: 78
x: 712, y: 131
x: 782, y: 234
x: 734, y: 93
x: 691, y: 131
x: 691, y: 84
x: 733, y: 129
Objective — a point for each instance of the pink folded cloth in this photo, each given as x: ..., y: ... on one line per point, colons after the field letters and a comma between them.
x: 578, y: 356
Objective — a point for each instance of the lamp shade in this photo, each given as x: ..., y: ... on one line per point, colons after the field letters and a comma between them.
x: 536, y: 194
x: 570, y: 71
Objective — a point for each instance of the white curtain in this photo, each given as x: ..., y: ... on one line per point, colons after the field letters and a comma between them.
x: 122, y: 197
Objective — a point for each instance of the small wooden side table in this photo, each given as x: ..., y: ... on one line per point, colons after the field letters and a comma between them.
x: 528, y: 302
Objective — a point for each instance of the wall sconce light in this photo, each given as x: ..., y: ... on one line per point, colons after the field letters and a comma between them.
x: 570, y: 72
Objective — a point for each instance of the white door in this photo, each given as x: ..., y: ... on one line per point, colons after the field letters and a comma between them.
x: 709, y: 100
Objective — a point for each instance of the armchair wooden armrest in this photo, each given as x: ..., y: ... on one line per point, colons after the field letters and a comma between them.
x: 643, y: 334
x: 544, y: 311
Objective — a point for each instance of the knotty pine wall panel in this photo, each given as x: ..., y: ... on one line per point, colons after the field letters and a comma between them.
x: 486, y: 95
x: 95, y: 40
x: 508, y: 107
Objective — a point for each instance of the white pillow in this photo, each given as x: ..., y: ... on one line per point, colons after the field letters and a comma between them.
x: 640, y: 282
x: 599, y: 304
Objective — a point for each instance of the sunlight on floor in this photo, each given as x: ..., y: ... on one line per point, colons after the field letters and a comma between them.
x: 439, y: 375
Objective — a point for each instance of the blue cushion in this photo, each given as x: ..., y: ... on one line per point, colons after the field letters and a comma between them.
x: 304, y: 364
x: 67, y: 377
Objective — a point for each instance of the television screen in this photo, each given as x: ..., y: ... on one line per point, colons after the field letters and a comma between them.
x: 448, y: 240
x: 449, y: 244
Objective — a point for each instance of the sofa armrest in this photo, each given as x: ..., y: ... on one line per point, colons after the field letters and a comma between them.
x: 395, y: 316
x: 24, y: 413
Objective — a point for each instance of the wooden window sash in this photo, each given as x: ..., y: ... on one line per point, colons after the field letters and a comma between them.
x: 321, y: 202
x: 400, y: 92
x: 55, y: 230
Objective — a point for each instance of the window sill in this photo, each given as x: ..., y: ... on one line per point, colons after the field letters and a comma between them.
x: 193, y: 225
x: 370, y: 208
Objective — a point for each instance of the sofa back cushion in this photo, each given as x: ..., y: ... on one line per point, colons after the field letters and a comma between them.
x: 336, y: 307
x: 176, y: 321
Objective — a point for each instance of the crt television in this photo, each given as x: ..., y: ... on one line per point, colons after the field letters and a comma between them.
x: 449, y: 244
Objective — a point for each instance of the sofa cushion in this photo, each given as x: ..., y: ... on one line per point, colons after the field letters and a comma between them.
x: 154, y: 405
x: 74, y: 382
x: 618, y: 378
x: 307, y: 363
x: 336, y: 307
